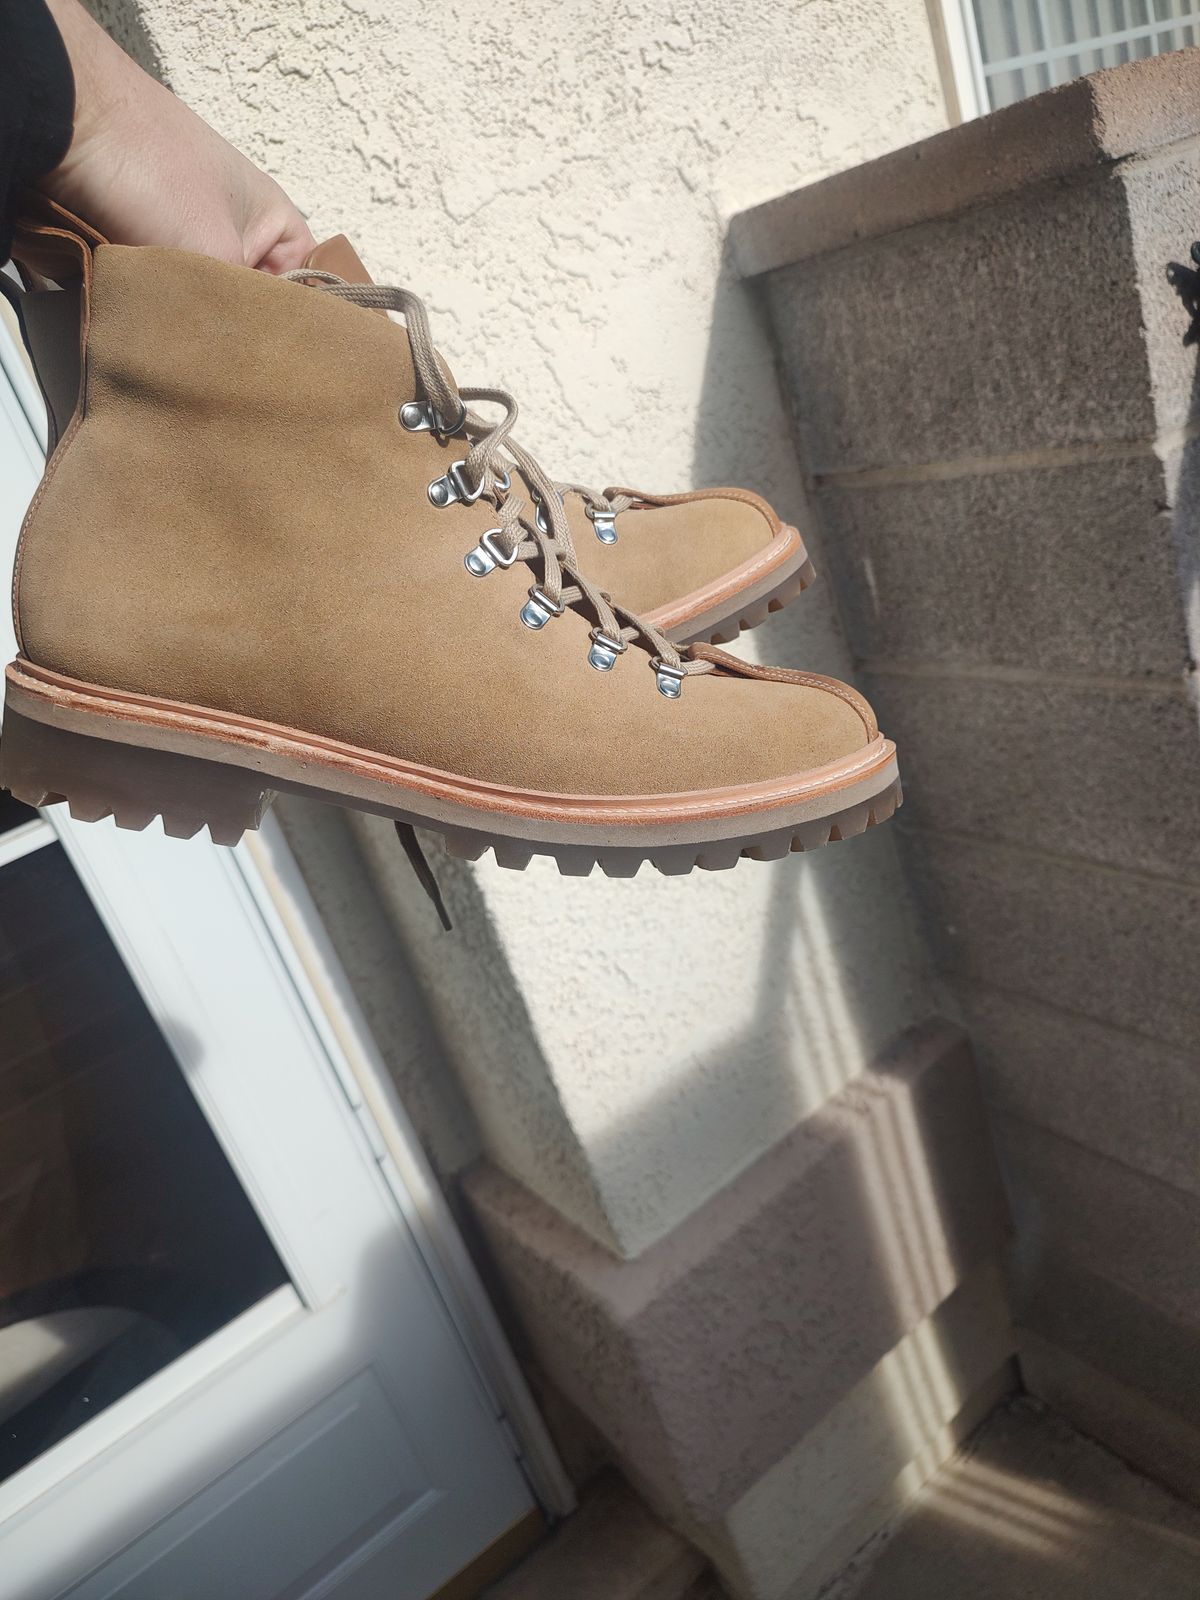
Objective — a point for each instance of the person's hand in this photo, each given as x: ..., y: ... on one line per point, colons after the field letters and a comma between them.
x: 144, y: 169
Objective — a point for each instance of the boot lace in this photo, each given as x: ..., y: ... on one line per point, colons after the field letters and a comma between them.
x: 534, y: 531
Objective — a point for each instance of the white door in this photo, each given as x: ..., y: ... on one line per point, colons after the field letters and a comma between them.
x: 225, y: 1366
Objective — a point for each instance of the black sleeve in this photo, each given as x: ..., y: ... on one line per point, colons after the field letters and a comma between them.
x: 37, y: 102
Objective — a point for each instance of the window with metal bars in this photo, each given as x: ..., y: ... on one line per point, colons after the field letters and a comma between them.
x: 1025, y: 46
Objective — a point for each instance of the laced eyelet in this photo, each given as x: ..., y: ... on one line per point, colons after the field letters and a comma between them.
x: 668, y: 679
x: 488, y: 554
x: 605, y: 650
x: 605, y: 524
x: 421, y: 416
x: 453, y: 487
x: 542, y: 520
x: 539, y: 608
x: 418, y: 416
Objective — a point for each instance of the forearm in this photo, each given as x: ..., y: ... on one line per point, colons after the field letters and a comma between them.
x: 145, y: 169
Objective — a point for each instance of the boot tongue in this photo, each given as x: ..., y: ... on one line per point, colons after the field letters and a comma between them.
x: 339, y: 256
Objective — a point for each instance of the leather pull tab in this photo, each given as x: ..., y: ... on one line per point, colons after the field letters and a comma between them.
x: 50, y: 242
x: 53, y: 251
x: 339, y: 255
x: 36, y: 209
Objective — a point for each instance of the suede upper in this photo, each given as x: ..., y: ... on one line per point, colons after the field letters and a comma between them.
x: 667, y: 546
x: 672, y: 544
x: 240, y: 521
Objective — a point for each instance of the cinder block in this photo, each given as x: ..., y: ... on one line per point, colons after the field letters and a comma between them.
x: 1116, y: 946
x: 1064, y: 568
x: 1151, y: 1438
x: 1085, y: 124
x: 1074, y: 1205
x: 1107, y: 773
x: 1115, y: 1331
x: 1130, y: 1098
x: 969, y: 337
x: 875, y: 1448
x: 711, y: 1355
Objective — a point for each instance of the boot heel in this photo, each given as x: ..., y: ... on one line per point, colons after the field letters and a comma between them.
x: 44, y: 766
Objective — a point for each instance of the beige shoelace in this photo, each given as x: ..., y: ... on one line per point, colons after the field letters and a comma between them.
x: 597, y: 502
x: 517, y: 536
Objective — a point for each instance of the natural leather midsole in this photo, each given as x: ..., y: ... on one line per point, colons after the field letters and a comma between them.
x: 740, y: 586
x: 280, y: 757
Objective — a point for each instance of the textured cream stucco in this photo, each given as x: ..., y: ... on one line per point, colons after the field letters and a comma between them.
x: 555, y: 178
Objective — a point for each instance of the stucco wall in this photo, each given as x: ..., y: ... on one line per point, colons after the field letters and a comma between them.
x: 555, y: 177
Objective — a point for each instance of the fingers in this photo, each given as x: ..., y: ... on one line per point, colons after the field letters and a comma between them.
x: 291, y: 247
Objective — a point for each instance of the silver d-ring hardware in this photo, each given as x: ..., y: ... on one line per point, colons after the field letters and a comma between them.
x: 418, y: 416
x: 488, y: 554
x: 668, y: 679
x: 605, y: 650
x: 421, y: 416
x: 453, y: 487
x: 542, y: 520
x: 605, y: 526
x: 539, y: 608
x: 503, y: 480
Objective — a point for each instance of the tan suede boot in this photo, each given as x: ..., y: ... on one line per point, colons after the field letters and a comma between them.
x: 259, y: 560
x: 702, y: 565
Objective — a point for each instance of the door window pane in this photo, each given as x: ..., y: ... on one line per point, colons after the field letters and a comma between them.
x: 12, y: 813
x: 125, y: 1236
x: 1028, y: 45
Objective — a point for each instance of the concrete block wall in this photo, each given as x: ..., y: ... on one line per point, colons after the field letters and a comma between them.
x: 997, y: 412
x: 785, y: 1367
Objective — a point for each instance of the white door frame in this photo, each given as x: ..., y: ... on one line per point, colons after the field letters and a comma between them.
x: 278, y: 886
x: 960, y: 62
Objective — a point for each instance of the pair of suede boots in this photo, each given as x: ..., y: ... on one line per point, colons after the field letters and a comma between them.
x: 278, y: 547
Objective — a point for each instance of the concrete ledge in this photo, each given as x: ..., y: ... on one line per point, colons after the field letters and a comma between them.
x: 710, y: 1356
x: 1090, y: 122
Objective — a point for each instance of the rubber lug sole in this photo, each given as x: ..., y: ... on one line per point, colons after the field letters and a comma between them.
x: 45, y: 764
x: 725, y: 629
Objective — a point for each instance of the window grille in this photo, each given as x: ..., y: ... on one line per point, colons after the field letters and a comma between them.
x: 1026, y: 46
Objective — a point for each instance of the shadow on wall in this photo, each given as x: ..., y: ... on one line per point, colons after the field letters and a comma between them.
x: 745, y: 435
x: 835, y: 973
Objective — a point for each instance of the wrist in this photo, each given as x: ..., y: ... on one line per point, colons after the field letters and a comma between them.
x: 109, y: 87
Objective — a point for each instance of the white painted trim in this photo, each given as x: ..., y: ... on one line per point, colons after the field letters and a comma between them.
x: 209, y: 1359
x: 286, y: 904
x: 25, y: 839
x: 956, y: 42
